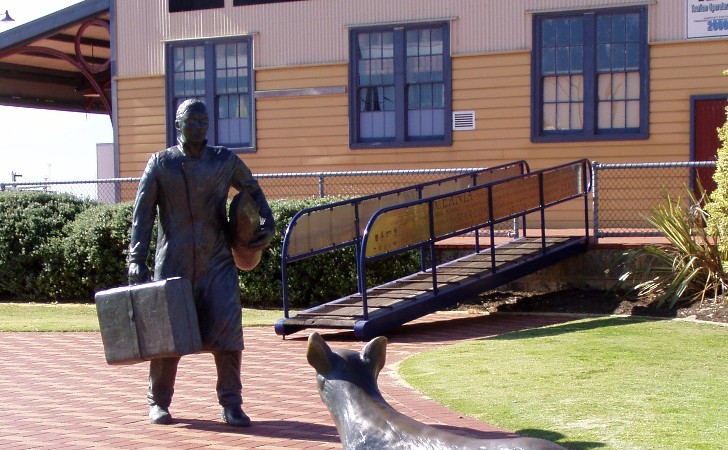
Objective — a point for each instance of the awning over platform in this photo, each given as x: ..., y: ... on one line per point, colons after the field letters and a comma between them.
x: 60, y: 61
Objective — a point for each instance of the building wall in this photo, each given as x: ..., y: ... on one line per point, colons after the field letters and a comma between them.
x: 310, y: 132
x: 141, y: 126
x: 299, y: 132
x: 315, y: 31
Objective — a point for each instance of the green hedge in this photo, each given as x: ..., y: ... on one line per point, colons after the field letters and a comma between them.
x: 29, y: 222
x: 55, y: 247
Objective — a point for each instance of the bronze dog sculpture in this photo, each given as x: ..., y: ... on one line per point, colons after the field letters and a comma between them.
x: 347, y: 382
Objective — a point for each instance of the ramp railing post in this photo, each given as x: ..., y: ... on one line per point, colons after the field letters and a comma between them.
x: 491, y: 228
x: 433, y: 251
x: 595, y: 200
x: 542, y: 207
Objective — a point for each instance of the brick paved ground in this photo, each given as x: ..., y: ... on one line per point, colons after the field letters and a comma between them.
x: 56, y: 390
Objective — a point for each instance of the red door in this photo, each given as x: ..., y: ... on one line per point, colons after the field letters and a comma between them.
x: 709, y: 116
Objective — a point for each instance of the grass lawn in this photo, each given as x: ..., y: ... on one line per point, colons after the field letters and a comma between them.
x: 607, y: 383
x: 82, y: 317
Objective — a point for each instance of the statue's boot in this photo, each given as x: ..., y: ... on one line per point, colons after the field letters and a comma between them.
x: 162, y: 373
x: 234, y: 415
x: 229, y: 388
x: 159, y: 415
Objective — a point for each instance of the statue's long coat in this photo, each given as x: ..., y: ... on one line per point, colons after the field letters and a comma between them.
x: 191, y: 196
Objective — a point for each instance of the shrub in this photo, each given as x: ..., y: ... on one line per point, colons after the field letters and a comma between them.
x: 28, y: 222
x: 91, y: 255
x: 687, y: 269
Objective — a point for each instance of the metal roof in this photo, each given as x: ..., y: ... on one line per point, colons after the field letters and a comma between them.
x: 60, y: 61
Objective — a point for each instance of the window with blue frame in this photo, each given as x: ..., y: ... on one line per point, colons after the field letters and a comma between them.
x: 219, y: 73
x: 590, y: 75
x: 400, y: 86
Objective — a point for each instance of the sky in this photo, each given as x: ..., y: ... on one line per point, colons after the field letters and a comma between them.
x: 42, y: 144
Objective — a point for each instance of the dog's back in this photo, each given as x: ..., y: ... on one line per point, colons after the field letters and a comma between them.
x: 347, y: 382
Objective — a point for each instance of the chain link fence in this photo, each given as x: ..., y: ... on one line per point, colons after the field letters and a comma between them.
x: 624, y: 195
x: 275, y: 186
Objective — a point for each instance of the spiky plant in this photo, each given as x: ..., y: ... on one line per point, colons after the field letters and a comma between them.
x: 689, y: 268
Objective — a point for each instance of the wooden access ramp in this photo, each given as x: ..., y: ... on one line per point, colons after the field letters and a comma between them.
x: 425, y: 222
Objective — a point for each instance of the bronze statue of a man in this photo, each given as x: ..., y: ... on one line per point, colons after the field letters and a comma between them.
x: 188, y: 185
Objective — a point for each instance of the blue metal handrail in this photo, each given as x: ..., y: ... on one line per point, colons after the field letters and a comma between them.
x: 582, y: 168
x: 517, y: 166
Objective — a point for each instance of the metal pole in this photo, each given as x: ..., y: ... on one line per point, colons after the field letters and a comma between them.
x: 595, y: 200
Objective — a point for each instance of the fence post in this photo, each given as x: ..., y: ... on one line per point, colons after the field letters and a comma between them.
x: 595, y: 200
x: 321, y: 186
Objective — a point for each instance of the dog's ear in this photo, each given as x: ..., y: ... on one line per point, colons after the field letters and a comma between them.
x: 374, y: 353
x: 319, y: 354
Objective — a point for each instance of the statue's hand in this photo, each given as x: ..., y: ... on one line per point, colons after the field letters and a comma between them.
x: 263, y: 235
x: 138, y: 273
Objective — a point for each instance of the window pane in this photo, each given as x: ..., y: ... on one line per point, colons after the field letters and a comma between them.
x: 220, y: 56
x: 231, y: 55
x: 577, y: 31
x: 199, y: 86
x: 604, y: 58
x: 438, y: 96
x: 618, y: 114
x: 618, y: 31
x: 549, y: 117
x: 577, y: 60
x: 413, y: 97
x: 548, y: 61
x: 425, y: 97
x: 179, y: 59
x: 562, y: 116
x: 563, y: 88
x: 633, y: 56
x: 576, y: 116
x: 199, y: 57
x: 604, y: 29
x: 548, y: 33
x: 633, y: 114
x: 549, y: 89
x: 179, y: 84
x: 632, y: 25
x: 563, y: 60
x: 618, y: 86
x: 363, y: 46
x: 604, y: 87
x: 633, y: 85
x: 223, y: 107
x: 577, y: 88
x: 604, y: 115
x: 436, y: 41
x: 563, y: 32
x: 618, y: 57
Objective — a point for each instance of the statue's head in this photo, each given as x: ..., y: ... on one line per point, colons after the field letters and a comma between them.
x: 188, y: 106
x: 192, y: 121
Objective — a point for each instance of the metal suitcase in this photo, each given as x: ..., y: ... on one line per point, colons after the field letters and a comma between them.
x: 148, y: 321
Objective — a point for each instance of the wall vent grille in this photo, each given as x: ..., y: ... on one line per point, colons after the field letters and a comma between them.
x: 463, y: 120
